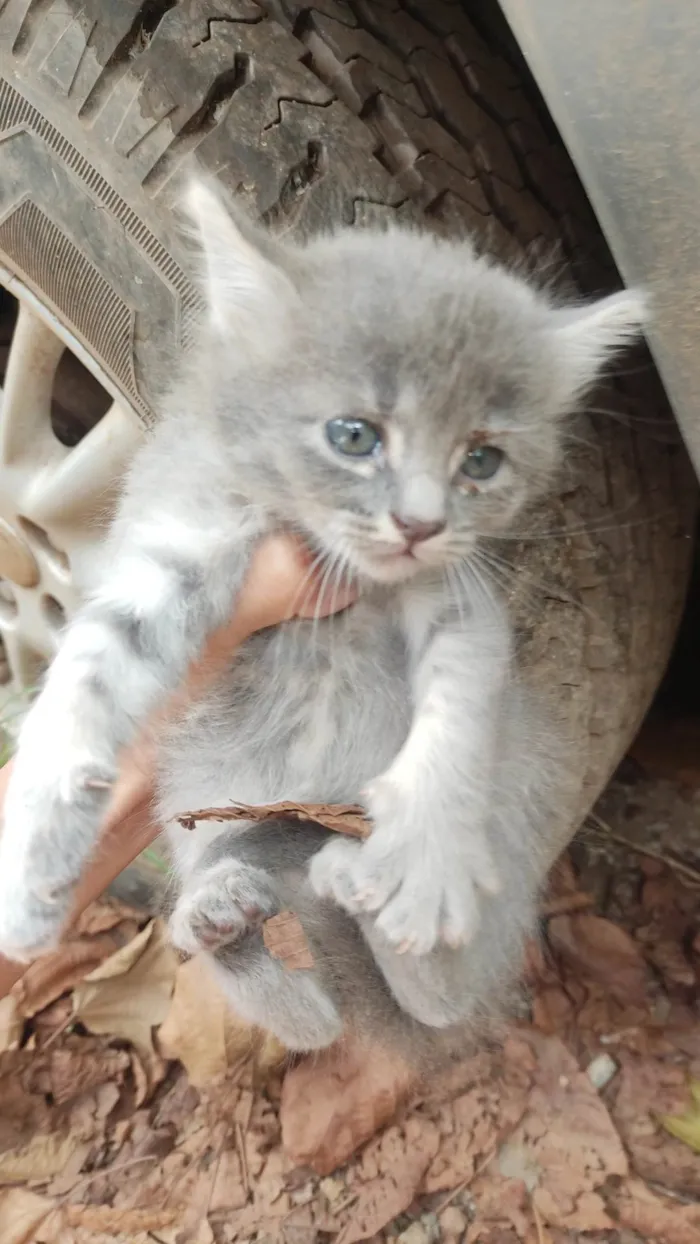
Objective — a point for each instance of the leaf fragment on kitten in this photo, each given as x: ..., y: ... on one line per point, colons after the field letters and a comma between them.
x: 342, y: 818
x: 285, y: 940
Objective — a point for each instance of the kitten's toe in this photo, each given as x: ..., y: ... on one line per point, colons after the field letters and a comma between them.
x: 224, y: 904
x: 339, y: 871
x: 420, y: 916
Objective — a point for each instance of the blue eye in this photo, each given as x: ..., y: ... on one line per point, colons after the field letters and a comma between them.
x: 483, y: 462
x: 355, y: 437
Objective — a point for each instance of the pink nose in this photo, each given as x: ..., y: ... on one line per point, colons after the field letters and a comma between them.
x: 415, y: 532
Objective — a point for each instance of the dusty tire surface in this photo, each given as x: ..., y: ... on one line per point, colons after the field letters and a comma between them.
x: 346, y: 111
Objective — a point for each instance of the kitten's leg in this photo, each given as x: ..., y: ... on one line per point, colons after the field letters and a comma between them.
x: 470, y: 984
x: 174, y: 573
x: 428, y: 858
x: 240, y: 881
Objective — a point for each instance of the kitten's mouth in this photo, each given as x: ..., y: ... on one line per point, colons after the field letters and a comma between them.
x: 391, y: 564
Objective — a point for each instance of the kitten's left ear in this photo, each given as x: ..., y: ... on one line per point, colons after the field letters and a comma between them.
x: 245, y: 287
x: 589, y: 336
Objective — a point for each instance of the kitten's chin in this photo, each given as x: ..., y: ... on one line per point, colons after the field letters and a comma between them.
x: 389, y: 568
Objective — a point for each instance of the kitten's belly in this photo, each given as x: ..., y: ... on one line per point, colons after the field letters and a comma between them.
x: 297, y: 717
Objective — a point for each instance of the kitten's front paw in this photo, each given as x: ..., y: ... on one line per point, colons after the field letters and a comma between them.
x: 223, y: 904
x: 31, y: 920
x: 424, y: 883
x: 50, y: 823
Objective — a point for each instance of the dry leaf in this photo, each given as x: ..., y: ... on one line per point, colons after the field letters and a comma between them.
x: 669, y: 958
x: 334, y: 1102
x: 42, y: 1158
x: 129, y: 994
x: 21, y: 1213
x: 686, y: 1127
x: 568, y: 1144
x: 69, y: 1070
x: 503, y: 1202
x: 285, y: 939
x: 11, y: 1025
x: 103, y: 915
x: 638, y: 1209
x: 602, y: 951
x: 344, y: 818
x: 52, y: 975
x: 228, y: 1191
x: 201, y: 1030
x: 125, y: 1221
x: 474, y: 1123
x: 400, y: 1157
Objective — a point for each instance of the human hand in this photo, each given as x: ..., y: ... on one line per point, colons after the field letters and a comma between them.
x: 285, y: 581
x: 282, y: 583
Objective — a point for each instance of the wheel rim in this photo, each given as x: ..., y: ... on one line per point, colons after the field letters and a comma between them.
x: 66, y: 438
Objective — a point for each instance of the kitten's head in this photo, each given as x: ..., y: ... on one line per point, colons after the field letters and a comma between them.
x: 393, y: 394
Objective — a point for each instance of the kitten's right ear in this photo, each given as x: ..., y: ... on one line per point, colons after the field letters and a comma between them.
x: 589, y: 336
x: 244, y: 288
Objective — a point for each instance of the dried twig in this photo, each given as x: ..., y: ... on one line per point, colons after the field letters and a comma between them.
x: 539, y: 1225
x: 343, y: 818
x: 684, y: 870
x: 243, y: 1159
x: 462, y: 1187
x: 566, y: 905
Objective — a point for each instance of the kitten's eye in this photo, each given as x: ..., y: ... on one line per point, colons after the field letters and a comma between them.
x: 356, y: 437
x: 482, y: 463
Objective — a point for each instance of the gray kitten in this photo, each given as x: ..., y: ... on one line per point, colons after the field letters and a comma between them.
x: 399, y: 400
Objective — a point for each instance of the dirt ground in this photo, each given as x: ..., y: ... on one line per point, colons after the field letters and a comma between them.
x: 133, y: 1107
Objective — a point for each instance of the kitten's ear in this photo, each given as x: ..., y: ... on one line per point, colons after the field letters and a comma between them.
x: 243, y: 284
x: 589, y: 336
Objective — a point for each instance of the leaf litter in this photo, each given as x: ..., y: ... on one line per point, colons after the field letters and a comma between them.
x: 136, y: 1108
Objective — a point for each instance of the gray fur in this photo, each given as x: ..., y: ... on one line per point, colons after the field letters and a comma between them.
x: 411, y: 700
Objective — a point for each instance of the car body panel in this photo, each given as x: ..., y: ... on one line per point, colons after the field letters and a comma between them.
x: 622, y: 83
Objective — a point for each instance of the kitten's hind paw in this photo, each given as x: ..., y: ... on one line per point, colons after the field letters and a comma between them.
x: 221, y: 906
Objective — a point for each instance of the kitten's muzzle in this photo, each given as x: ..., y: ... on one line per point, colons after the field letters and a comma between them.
x: 416, y: 532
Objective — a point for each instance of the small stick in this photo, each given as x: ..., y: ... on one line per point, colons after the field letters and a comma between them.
x: 685, y: 870
x: 240, y: 1143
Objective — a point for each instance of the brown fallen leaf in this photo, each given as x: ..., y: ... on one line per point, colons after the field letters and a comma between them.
x: 638, y: 1209
x: 566, y: 1144
x: 344, y: 818
x: 285, y: 939
x: 601, y: 950
x: 502, y: 1207
x: 103, y: 915
x: 126, y: 1221
x: 79, y: 1066
x: 494, y: 1094
x: 42, y: 1158
x: 11, y: 1025
x: 202, y: 1032
x: 23, y: 1113
x: 52, y: 975
x: 21, y: 1214
x: 129, y: 994
x: 228, y: 1190
x: 669, y: 958
x: 400, y: 1158
x: 334, y: 1102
